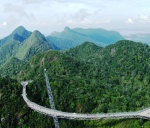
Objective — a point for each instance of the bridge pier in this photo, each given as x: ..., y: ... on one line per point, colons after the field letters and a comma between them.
x: 141, y: 122
x: 24, y: 83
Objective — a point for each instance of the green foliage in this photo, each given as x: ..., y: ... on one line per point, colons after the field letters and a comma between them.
x: 18, y: 48
x: 14, y: 111
x: 11, y: 103
x: 85, y: 52
x: 9, y: 45
x: 36, y: 43
x: 11, y: 68
x: 87, y: 79
x: 8, y: 50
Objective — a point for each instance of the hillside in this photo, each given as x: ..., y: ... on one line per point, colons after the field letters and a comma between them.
x: 10, y: 44
x: 85, y: 52
x: 8, y: 50
x: 11, y: 68
x: 19, y: 34
x: 20, y: 44
x: 36, y: 43
x: 102, y: 35
x: 24, y: 44
x: 84, y: 79
x: 59, y: 43
x: 118, y: 82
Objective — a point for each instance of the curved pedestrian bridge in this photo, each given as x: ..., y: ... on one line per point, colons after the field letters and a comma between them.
x: 144, y: 114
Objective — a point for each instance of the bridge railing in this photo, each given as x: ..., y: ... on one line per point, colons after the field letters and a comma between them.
x: 81, y: 116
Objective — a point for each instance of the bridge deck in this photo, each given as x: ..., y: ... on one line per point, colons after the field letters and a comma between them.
x: 145, y: 114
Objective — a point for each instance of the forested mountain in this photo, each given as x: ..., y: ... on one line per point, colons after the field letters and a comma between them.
x: 36, y: 43
x: 116, y: 82
x: 85, y: 52
x: 75, y: 37
x: 22, y: 45
x: 102, y: 35
x: 8, y: 50
x: 10, y: 44
x: 62, y: 40
x: 59, y: 43
x: 19, y: 34
x: 84, y: 79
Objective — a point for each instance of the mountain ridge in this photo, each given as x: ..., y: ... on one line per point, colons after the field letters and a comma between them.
x: 68, y: 38
x: 36, y: 43
x: 22, y: 44
x: 77, y: 36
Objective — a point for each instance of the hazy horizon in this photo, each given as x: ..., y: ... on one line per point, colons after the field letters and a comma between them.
x: 123, y: 16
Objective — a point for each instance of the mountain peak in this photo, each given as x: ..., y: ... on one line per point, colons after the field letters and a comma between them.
x: 20, y: 27
x: 19, y: 30
x: 37, y: 35
x: 36, y: 43
x: 20, y: 33
x: 67, y: 29
x: 37, y: 32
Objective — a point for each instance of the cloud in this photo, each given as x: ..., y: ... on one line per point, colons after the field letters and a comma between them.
x: 70, y: 1
x: 129, y: 21
x: 4, y: 23
x: 81, y: 14
x: 56, y: 14
x: 16, y: 9
x: 104, y: 21
x: 33, y: 1
x: 97, y: 11
x: 18, y: 12
x: 144, y: 18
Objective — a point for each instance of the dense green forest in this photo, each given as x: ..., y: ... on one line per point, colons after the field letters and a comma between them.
x: 23, y: 44
x: 84, y: 79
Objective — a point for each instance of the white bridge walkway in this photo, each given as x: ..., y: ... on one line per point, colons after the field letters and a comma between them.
x: 144, y: 114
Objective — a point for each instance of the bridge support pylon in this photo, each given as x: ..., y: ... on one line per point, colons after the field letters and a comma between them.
x: 141, y: 122
x: 51, y: 99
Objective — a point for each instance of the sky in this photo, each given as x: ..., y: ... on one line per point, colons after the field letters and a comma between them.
x: 124, y: 16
